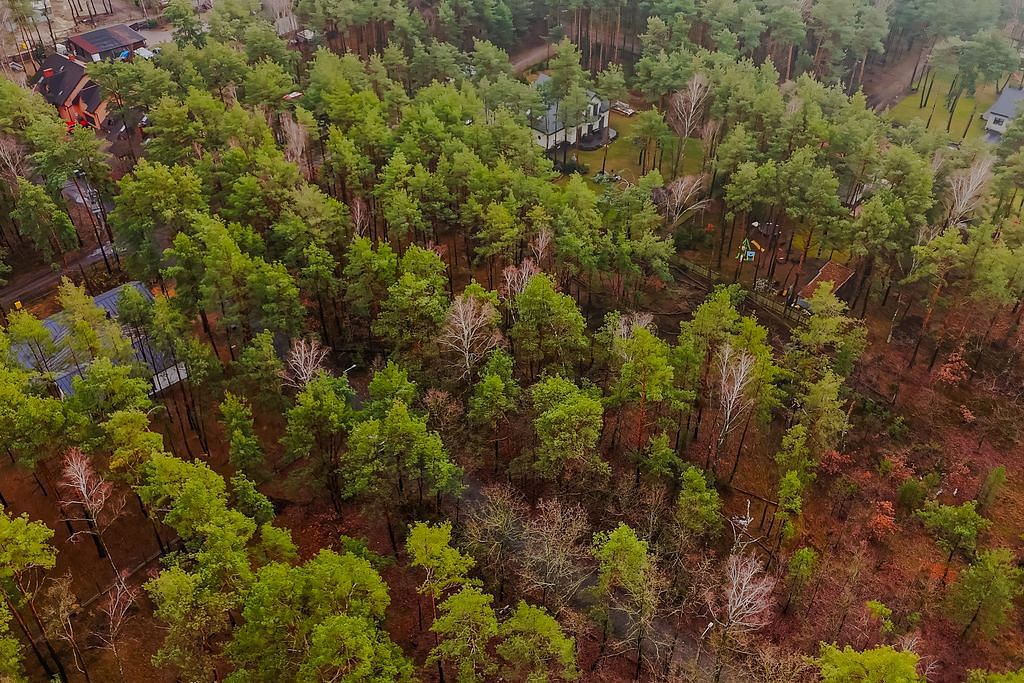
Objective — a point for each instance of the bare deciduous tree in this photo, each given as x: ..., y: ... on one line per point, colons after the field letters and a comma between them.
x: 540, y: 245
x: 555, y: 553
x: 687, y: 106
x: 12, y: 159
x: 296, y: 140
x: 683, y: 197
x: 305, y: 360
x: 709, y: 135
x: 57, y: 612
x: 360, y: 215
x: 630, y: 322
x: 741, y: 606
x: 735, y: 377
x: 515, y: 278
x: 470, y: 332
x: 96, y: 500
x: 771, y: 664
x: 116, y: 611
x: 966, y: 189
x: 494, y: 531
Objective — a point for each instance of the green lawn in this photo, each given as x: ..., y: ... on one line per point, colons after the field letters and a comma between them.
x: 624, y: 156
x: 908, y: 109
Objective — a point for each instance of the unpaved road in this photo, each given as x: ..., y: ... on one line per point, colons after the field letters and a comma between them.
x: 531, y: 56
x: 886, y: 85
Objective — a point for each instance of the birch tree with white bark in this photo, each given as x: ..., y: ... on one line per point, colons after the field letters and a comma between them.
x: 89, y: 500
x: 735, y: 398
x: 470, y: 332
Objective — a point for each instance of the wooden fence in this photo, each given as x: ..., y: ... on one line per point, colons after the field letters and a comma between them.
x: 707, y: 278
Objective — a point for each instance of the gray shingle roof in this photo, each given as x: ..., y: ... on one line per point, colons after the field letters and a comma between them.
x: 1007, y: 104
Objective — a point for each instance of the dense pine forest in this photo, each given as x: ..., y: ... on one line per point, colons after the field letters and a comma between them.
x: 321, y: 363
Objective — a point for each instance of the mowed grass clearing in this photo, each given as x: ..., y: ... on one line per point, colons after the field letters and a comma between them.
x: 907, y: 109
x: 624, y: 157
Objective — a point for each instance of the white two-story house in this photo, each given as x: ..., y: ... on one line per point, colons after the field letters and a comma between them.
x: 550, y: 132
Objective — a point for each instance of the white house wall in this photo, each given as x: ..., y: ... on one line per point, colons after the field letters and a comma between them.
x: 557, y: 138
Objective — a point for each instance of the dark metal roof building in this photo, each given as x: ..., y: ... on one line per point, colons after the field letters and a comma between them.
x: 104, y: 43
x: 63, y: 368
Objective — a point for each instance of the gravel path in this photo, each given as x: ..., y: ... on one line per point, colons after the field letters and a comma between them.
x: 886, y: 85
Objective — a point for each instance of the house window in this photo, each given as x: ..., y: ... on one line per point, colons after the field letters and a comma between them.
x: 998, y: 121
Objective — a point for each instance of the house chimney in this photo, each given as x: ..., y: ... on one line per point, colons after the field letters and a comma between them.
x: 48, y: 72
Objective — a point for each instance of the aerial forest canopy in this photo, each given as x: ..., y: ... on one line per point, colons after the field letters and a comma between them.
x: 518, y: 341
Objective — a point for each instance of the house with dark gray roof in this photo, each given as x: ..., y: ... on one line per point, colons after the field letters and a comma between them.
x: 110, y: 42
x: 62, y: 82
x: 549, y: 130
x: 999, y: 115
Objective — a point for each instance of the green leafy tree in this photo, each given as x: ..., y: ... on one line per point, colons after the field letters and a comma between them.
x: 103, y: 390
x: 978, y: 676
x: 628, y: 582
x: 266, y: 83
x: 799, y: 571
x: 92, y: 334
x: 199, y: 588
x: 495, y: 396
x: 25, y: 329
x: 955, y: 527
x: 248, y: 500
x: 549, y: 329
x: 42, y: 221
x: 188, y: 29
x: 645, y: 379
x: 698, y: 507
x: 568, y: 426
x: 430, y: 548
x: 318, y: 425
x: 24, y: 549
x: 155, y: 203
x: 403, y: 456
x: 389, y: 384
x: 466, y: 623
x: 870, y: 666
x: 318, y: 621
x: 259, y: 369
x: 822, y: 412
x: 244, y: 449
x: 790, y: 505
x: 984, y: 593
x: 221, y: 66
x: 828, y: 338
x: 416, y: 303
x: 369, y: 272
x: 794, y: 455
x: 534, y: 647
x: 131, y: 444
x: 10, y: 650
x: 193, y: 615
x: 995, y: 480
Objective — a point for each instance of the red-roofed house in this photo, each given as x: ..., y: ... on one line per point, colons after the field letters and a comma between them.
x: 839, y: 275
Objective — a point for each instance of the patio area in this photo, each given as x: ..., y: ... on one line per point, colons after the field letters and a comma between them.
x: 595, y: 141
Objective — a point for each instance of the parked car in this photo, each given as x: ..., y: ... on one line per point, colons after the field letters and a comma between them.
x: 623, y: 108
